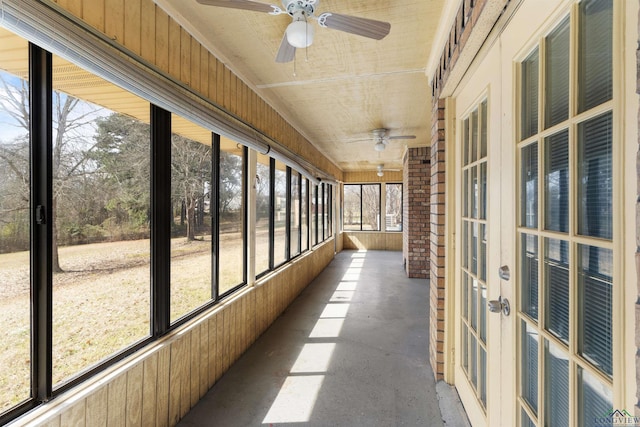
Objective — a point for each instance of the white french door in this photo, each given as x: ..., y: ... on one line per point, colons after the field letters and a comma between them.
x: 535, y: 221
x: 479, y: 333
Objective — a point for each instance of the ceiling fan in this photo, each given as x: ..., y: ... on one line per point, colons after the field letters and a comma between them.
x: 381, y: 169
x: 381, y: 138
x: 299, y: 33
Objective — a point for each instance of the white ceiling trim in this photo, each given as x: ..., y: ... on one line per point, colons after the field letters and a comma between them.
x: 442, y: 35
x: 341, y: 78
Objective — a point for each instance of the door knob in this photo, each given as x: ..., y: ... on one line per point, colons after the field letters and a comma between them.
x: 499, y: 305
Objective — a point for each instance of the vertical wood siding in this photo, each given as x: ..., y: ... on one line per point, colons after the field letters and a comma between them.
x: 159, y: 388
x: 148, y: 33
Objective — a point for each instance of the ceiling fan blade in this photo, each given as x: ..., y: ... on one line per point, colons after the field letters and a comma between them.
x: 402, y: 137
x: 351, y: 24
x: 286, y: 53
x: 239, y: 4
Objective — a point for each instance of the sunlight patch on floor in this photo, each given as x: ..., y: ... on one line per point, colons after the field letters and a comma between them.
x: 295, y: 401
x: 314, y: 358
x: 327, y: 328
x: 297, y: 396
x: 333, y: 311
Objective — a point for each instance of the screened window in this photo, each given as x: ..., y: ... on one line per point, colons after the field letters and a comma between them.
x: 314, y: 215
x: 263, y: 217
x: 15, y: 170
x: 191, y: 245
x: 100, y: 208
x: 362, y: 207
x: 393, y: 205
x: 295, y: 215
x: 325, y: 211
x: 304, y: 215
x: 280, y: 214
x: 231, y: 216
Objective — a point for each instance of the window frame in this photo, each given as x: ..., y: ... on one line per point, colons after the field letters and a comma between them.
x: 362, y: 185
x: 386, y: 185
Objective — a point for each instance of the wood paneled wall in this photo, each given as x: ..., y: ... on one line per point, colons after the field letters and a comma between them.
x: 159, y: 385
x: 371, y: 176
x: 375, y: 240
x: 148, y: 33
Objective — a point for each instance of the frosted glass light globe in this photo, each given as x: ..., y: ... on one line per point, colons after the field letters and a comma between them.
x: 300, y: 34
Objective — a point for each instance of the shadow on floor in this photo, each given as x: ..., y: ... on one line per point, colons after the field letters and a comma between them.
x: 352, y: 350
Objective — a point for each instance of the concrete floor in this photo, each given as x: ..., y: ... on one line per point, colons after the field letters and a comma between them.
x: 352, y: 350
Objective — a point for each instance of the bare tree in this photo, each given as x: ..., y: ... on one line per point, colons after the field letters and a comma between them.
x: 72, y: 142
x: 190, y: 173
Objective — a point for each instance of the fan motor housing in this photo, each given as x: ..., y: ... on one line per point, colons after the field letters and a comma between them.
x: 305, y: 6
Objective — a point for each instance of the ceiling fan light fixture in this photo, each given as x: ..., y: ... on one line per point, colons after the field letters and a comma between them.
x: 380, y: 173
x: 379, y: 146
x: 300, y: 34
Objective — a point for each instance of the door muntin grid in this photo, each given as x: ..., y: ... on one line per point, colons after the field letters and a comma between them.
x: 474, y: 250
x: 565, y: 233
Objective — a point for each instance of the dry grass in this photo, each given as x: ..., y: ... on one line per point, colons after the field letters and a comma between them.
x: 101, y: 303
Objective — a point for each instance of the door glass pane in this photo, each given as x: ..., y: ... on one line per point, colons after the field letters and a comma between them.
x: 465, y: 142
x: 595, y: 53
x: 529, y: 366
x: 483, y: 190
x: 474, y: 135
x: 465, y: 193
x: 556, y: 271
x: 482, y: 256
x: 529, y: 186
x: 474, y: 247
x: 15, y: 195
x: 191, y: 159
x: 483, y: 129
x: 529, y: 280
x: 556, y: 386
x: 483, y: 313
x: 529, y: 96
x: 595, y: 400
x: 465, y: 244
x: 101, y: 203
x: 473, y: 360
x: 474, y: 192
x: 231, y: 216
x: 263, y: 191
x: 595, y: 267
x: 465, y: 296
x: 557, y: 75
x: 556, y: 182
x: 474, y: 304
x: 525, y: 420
x: 280, y: 215
x: 483, y: 376
x: 595, y: 184
x: 465, y: 348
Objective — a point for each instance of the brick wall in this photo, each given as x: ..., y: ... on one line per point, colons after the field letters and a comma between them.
x: 469, y: 14
x: 437, y: 240
x: 416, y: 210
